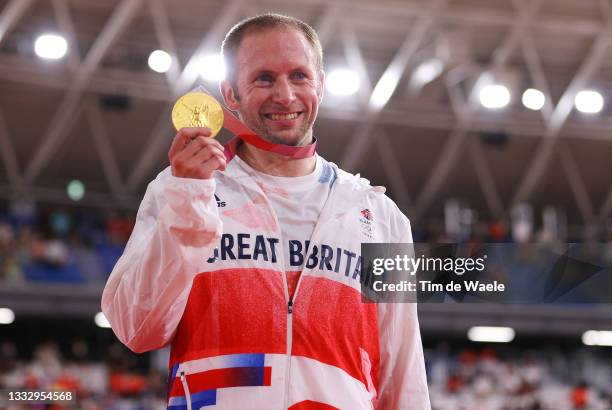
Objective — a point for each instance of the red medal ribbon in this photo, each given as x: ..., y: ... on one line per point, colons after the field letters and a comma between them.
x: 244, y: 133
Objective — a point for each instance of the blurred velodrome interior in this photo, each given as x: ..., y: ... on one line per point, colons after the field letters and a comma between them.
x: 487, y: 121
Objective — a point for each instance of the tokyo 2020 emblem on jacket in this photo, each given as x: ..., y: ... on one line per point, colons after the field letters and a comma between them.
x: 206, y: 271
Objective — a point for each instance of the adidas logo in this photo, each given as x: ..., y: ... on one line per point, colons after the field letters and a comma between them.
x: 220, y: 203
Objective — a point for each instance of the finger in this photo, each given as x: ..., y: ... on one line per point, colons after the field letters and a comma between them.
x: 222, y: 163
x: 184, y: 136
x: 218, y: 151
x: 206, y: 153
x: 215, y: 163
x: 206, y: 169
x: 207, y: 141
x: 187, y: 161
x: 197, y: 167
x: 213, y: 142
x: 193, y: 132
x: 221, y: 159
x: 195, y: 146
x: 217, y: 144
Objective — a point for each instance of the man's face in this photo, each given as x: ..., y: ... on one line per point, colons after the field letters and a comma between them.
x: 279, y: 86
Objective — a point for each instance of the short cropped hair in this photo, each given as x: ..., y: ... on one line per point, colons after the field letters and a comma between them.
x: 234, y: 37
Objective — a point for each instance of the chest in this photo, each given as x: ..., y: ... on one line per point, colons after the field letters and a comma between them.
x: 321, y: 239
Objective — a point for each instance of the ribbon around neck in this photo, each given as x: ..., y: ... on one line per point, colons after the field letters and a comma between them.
x: 244, y: 133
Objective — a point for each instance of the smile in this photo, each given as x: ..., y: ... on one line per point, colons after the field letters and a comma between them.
x: 282, y: 116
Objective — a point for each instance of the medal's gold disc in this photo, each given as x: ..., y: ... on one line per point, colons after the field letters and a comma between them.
x: 197, y: 109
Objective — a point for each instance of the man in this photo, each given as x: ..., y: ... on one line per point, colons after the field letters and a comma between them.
x: 250, y: 269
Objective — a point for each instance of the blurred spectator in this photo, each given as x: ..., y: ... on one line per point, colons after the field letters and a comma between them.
x: 54, y: 253
x: 475, y: 379
x: 519, y: 381
x: 119, y: 229
x: 61, y: 223
x: 87, y: 260
x: 497, y: 231
x: 60, y: 246
x: 106, y: 385
x: 23, y: 211
x: 8, y: 357
x: 579, y: 397
x: 82, y: 245
x: 10, y: 269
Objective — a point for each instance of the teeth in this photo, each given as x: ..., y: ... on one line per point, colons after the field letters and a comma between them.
x: 277, y: 117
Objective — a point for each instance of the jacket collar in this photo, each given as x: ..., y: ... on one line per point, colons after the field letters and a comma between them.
x: 347, y: 191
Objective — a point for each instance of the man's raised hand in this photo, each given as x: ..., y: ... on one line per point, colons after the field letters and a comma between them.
x: 194, y: 154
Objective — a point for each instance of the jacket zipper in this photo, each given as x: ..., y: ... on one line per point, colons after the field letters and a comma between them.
x: 289, y: 337
x: 290, y: 301
x: 289, y: 346
x: 186, y: 389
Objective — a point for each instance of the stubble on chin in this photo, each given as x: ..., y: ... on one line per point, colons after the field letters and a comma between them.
x: 296, y: 142
x: 304, y: 137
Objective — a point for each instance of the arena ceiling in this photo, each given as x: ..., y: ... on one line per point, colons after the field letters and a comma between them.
x: 102, y: 116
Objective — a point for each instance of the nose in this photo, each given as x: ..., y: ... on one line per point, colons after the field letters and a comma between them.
x: 283, y: 92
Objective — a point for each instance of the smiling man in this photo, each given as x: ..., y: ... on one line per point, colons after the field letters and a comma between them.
x: 279, y: 85
x: 250, y: 269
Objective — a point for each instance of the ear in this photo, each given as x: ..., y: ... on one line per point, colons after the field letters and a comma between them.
x: 321, y: 85
x: 229, y: 96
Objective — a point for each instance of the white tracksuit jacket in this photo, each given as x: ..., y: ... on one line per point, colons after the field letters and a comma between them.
x: 203, y: 270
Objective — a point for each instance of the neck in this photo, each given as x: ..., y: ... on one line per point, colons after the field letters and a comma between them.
x: 275, y: 164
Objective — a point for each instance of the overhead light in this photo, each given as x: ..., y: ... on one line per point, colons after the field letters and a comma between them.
x: 589, y: 102
x: 50, y: 46
x: 212, y: 67
x: 75, y: 190
x: 342, y: 82
x: 494, y: 96
x: 533, y: 99
x: 426, y: 72
x: 160, y: 61
x: 493, y: 334
x: 597, y: 338
x: 7, y: 316
x: 101, y: 321
x: 384, y: 89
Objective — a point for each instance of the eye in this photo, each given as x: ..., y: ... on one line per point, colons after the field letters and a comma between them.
x: 299, y: 75
x: 264, y: 78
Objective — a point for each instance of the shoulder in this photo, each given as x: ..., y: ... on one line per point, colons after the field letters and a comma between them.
x: 382, y: 209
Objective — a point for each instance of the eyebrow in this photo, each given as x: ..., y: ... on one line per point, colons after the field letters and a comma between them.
x: 303, y: 69
x: 300, y: 68
x: 258, y: 73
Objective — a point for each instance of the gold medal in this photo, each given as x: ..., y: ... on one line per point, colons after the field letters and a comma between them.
x: 197, y: 109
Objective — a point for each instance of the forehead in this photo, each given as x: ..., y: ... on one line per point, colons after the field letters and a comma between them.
x: 275, y: 49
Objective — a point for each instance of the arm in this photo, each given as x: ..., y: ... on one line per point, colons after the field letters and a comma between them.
x: 402, y: 378
x: 177, y: 227
x: 403, y: 382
